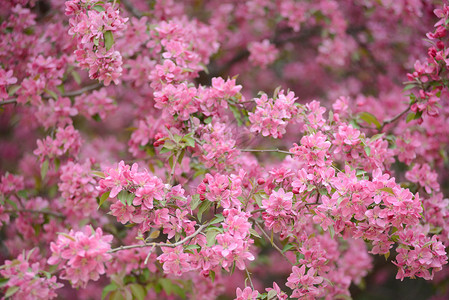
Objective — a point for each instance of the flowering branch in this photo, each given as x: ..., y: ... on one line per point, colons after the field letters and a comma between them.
x: 174, y: 245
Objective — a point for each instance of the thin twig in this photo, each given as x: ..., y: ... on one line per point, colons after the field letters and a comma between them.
x: 11, y: 101
x: 173, y: 169
x: 249, y: 278
x: 269, y: 239
x: 395, y: 118
x: 267, y: 150
x: 68, y: 94
x: 83, y: 90
x: 33, y: 211
x: 187, y: 238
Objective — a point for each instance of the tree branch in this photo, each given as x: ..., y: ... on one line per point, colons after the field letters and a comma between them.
x: 11, y: 101
x: 395, y: 118
x: 269, y: 239
x: 81, y: 91
x: 33, y: 211
x: 187, y: 238
x: 267, y: 150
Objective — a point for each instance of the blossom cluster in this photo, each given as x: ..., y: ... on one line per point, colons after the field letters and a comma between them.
x: 94, y: 26
x: 81, y: 255
x: 203, y: 184
x: 26, y: 280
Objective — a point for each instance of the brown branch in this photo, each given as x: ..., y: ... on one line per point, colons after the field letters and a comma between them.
x: 187, y: 238
x: 33, y: 211
x: 395, y: 118
x: 11, y: 101
x: 267, y: 150
x: 269, y: 239
x: 81, y: 91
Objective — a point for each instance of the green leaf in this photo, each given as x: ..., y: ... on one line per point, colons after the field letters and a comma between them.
x: 236, y: 113
x: 276, y: 92
x: 388, y: 190
x: 218, y: 219
x: 387, y: 255
x: 22, y: 194
x: 138, y: 291
x: 164, y: 150
x: 272, y: 294
x: 181, y: 156
x: 13, y: 89
x: 107, y: 289
x: 3, y: 281
x: 258, y: 199
x: 208, y: 120
x: 376, y: 136
x: 98, y: 8
x: 254, y: 233
x: 52, y: 94
x: 108, y: 40
x: 331, y: 231
x: 11, y: 291
x: 410, y: 117
x: 189, y: 141
x: 370, y: 119
x: 409, y: 86
x: 126, y: 197
x: 96, y: 117
x: 170, y: 287
x: 103, y: 198
x: 202, y: 208
x: 367, y: 150
x: 12, y: 203
x: 210, y: 237
x: 212, y: 275
x: 98, y: 174
x: 287, y: 247
x: 418, y: 115
x: 195, y: 201
x: 44, y: 169
x: 191, y: 247
x: 76, y: 76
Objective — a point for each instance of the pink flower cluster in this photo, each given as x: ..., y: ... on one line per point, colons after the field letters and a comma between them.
x: 143, y: 187
x: 420, y: 257
x: 6, y: 78
x: 77, y: 187
x: 67, y: 141
x: 230, y: 246
x: 424, y: 175
x: 81, y: 255
x: 273, y: 114
x: 57, y: 113
x: 220, y: 189
x: 94, y: 25
x: 29, y: 281
x: 262, y: 54
x: 305, y: 284
x: 95, y: 104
